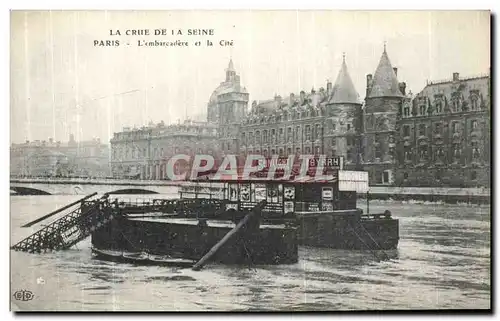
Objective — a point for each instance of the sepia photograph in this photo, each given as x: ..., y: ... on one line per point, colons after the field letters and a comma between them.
x: 250, y: 160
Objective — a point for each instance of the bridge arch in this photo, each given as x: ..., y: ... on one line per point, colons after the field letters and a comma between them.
x: 28, y: 191
x: 133, y: 191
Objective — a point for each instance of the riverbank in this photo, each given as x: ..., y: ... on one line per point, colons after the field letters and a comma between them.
x: 432, y: 194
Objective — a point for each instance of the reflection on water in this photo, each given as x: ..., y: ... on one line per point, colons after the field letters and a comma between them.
x: 442, y: 262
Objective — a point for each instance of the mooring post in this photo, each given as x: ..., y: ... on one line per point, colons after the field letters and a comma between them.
x: 367, y: 202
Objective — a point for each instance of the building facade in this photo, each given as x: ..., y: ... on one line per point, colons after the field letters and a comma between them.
x: 143, y: 153
x: 444, y: 134
x: 318, y: 122
x: 439, y: 137
x: 54, y: 158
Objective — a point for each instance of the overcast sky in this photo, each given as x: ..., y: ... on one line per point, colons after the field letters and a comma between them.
x: 61, y: 83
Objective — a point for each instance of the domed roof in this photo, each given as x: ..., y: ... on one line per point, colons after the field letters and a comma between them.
x: 225, y: 87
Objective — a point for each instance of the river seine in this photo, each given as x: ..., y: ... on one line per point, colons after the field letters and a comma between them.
x: 442, y: 262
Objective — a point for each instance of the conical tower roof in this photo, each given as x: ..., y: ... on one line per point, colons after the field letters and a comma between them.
x: 343, y: 91
x: 385, y: 81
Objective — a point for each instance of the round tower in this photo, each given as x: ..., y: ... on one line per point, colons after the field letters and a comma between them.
x: 344, y: 119
x: 382, y: 107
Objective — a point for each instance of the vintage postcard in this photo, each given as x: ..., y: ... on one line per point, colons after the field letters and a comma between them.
x: 250, y: 160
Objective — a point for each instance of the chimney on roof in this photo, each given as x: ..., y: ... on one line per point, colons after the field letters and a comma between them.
x: 302, y: 97
x: 329, y: 88
x: 27, y: 141
x: 402, y: 88
x: 369, y: 83
x: 51, y: 140
x: 395, y: 71
x: 292, y: 98
x: 456, y: 76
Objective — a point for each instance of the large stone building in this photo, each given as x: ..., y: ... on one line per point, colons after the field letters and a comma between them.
x: 54, y: 158
x: 437, y: 137
x: 444, y: 134
x: 143, y: 152
x: 326, y: 121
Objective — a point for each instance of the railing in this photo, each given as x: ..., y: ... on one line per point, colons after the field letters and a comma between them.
x: 71, y: 228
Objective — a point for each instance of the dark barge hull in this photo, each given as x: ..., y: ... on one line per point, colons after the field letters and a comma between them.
x: 348, y: 230
x: 267, y: 245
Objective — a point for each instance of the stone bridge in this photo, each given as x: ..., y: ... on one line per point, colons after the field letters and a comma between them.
x: 38, y: 186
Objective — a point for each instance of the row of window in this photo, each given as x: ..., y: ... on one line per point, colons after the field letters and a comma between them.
x: 438, y: 128
x: 273, y: 135
x: 438, y: 107
x: 441, y: 154
x: 438, y: 175
x: 137, y: 153
x: 286, y: 117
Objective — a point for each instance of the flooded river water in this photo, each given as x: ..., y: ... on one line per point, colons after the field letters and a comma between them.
x: 442, y: 262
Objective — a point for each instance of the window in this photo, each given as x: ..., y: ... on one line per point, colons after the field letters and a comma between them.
x: 437, y: 129
x: 257, y: 137
x: 456, y: 152
x: 243, y: 138
x: 386, y: 177
x: 334, y: 127
x: 378, y: 150
x: 439, y: 106
x: 288, y: 151
x: 440, y: 156
x: 162, y: 151
x: 297, y: 132
x: 405, y: 175
x: 308, y: 150
x: 289, y: 134
x: 407, y: 154
x: 474, y: 103
x: 273, y: 134
x: 438, y: 175
x: 421, y: 129
x: 406, y: 130
x: 454, y: 127
x: 348, y: 126
x: 308, y: 132
x: 473, y: 125
x: 406, y: 111
x: 475, y: 151
x: 264, y: 138
x: 423, y: 154
x: 334, y: 142
x: 422, y: 110
x: 473, y: 175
